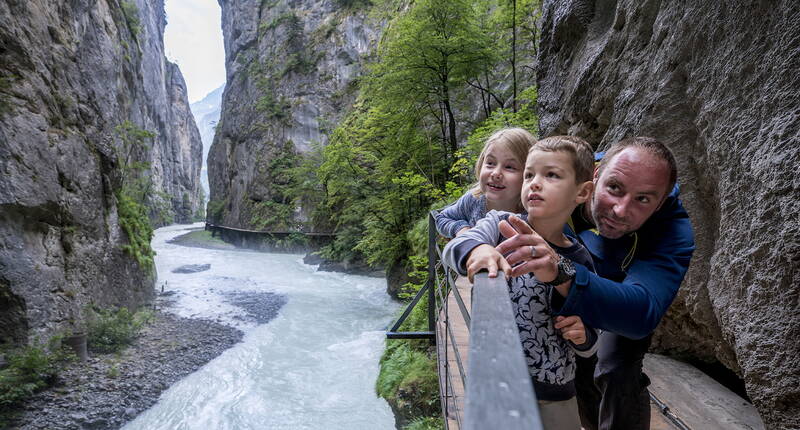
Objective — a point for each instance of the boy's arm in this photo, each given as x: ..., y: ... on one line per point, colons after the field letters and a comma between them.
x: 582, y: 338
x: 485, y: 232
x: 453, y: 218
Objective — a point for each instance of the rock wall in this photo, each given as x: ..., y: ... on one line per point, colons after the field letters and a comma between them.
x: 291, y: 70
x: 70, y: 73
x: 719, y: 83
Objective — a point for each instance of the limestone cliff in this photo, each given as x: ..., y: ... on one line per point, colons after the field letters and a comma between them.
x: 719, y: 83
x: 71, y: 73
x: 291, y: 69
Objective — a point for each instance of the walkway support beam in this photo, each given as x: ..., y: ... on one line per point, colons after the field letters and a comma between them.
x: 499, y: 392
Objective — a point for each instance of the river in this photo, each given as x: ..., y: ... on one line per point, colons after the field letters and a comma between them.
x: 312, y: 366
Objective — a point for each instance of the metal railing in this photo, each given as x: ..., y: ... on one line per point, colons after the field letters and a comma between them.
x: 498, y: 388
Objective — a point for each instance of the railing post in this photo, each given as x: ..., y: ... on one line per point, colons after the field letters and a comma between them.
x: 431, y: 273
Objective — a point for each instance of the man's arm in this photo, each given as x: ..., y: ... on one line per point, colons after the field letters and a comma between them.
x: 634, y: 307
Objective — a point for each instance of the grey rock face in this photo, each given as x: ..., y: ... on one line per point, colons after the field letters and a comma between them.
x: 206, y: 114
x: 70, y: 73
x: 291, y: 67
x: 718, y: 82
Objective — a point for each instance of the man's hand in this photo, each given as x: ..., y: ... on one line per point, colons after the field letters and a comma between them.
x: 486, y: 257
x: 571, y: 329
x: 527, y: 251
x: 463, y: 230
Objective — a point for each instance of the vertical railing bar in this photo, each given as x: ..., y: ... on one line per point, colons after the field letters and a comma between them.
x: 431, y: 269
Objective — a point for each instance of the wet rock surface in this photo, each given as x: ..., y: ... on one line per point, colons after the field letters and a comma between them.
x: 109, y: 389
x: 260, y: 307
x: 724, y: 97
x: 192, y: 268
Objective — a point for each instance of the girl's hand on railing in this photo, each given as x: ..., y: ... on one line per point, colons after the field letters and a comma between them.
x: 485, y: 257
x: 572, y: 328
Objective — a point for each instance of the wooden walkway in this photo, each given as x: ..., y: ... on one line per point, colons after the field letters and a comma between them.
x: 703, y: 405
x: 451, y: 376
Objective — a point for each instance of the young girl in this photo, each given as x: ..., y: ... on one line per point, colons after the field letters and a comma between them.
x: 499, y: 172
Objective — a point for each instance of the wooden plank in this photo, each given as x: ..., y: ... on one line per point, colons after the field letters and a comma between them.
x: 499, y: 389
x: 697, y: 399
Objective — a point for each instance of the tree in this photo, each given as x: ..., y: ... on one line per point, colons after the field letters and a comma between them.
x: 427, y: 57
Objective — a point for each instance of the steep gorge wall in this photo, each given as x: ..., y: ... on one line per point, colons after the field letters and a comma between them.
x: 719, y: 83
x: 292, y: 68
x: 70, y: 73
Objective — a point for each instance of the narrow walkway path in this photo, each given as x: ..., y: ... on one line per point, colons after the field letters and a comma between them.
x: 451, y: 380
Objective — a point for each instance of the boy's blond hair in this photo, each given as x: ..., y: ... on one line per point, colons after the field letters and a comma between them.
x: 579, y: 149
x: 516, y: 140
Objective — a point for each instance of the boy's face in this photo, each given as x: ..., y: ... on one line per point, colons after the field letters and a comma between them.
x: 549, y: 190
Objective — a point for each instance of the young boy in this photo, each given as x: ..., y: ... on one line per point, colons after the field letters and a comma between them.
x: 557, y: 178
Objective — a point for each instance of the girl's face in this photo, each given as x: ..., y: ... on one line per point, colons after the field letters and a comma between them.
x: 501, y: 179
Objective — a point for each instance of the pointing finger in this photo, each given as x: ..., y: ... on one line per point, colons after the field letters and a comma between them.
x: 520, y: 225
x: 506, y: 229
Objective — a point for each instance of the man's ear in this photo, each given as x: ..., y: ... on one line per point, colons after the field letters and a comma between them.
x: 584, y: 192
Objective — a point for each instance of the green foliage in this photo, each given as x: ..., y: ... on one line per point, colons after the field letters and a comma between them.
x: 425, y: 423
x: 427, y: 57
x: 30, y: 369
x: 200, y: 213
x: 215, y: 210
x: 131, y: 12
x: 353, y: 4
x: 134, y: 191
x: 408, y: 377
x: 134, y: 221
x: 112, y: 330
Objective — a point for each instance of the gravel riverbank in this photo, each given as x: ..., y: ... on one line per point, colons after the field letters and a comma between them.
x: 111, y: 389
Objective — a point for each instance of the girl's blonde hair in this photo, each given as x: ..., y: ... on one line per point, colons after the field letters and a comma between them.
x: 516, y: 140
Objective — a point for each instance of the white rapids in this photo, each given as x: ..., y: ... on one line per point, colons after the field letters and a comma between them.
x: 313, y: 366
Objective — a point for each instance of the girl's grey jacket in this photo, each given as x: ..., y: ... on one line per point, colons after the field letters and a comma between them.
x: 550, y: 358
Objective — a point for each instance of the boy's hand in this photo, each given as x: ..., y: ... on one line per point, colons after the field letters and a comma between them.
x: 486, y: 257
x: 571, y: 328
x: 527, y: 251
x: 463, y: 230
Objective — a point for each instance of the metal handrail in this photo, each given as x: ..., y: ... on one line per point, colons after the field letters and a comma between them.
x: 499, y: 392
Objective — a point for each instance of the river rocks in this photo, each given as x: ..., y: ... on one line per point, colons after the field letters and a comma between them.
x: 71, y: 73
x: 260, y: 307
x: 718, y: 83
x: 192, y: 268
x: 291, y: 69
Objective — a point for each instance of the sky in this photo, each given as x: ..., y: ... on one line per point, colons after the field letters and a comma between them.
x: 193, y: 40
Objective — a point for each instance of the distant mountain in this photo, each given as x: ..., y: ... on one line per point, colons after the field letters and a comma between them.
x: 206, y: 115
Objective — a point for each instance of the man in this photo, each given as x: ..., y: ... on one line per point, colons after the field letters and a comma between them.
x: 641, y: 240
